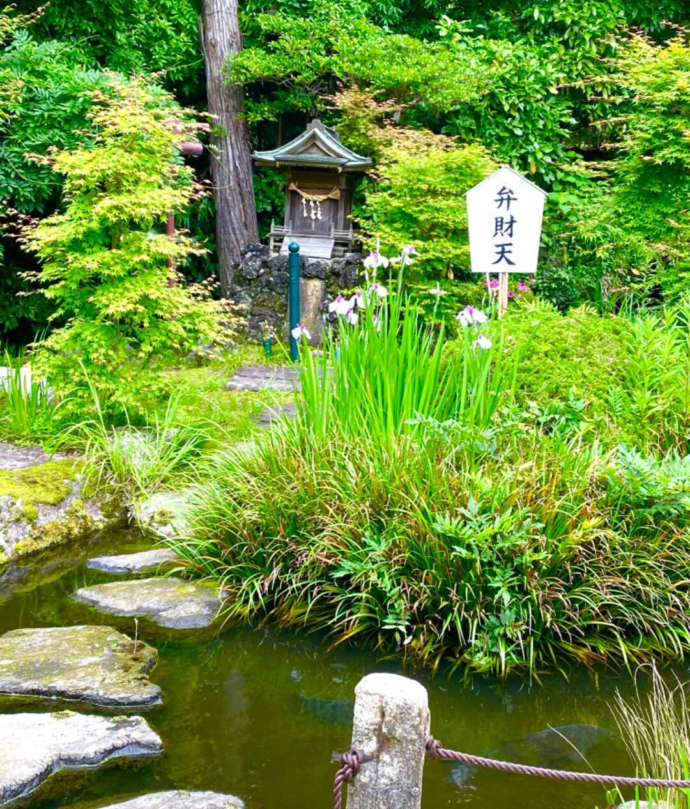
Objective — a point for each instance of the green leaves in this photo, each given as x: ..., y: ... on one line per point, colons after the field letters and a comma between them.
x: 108, y: 267
x: 638, y: 219
x: 419, y: 198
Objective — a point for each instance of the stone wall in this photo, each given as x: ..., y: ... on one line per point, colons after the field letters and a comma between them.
x: 261, y: 284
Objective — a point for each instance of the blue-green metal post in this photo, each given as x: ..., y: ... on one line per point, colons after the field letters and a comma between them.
x: 294, y: 313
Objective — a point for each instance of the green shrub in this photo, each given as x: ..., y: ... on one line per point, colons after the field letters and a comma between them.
x: 631, y: 374
x: 107, y: 265
x: 638, y: 221
x: 419, y: 197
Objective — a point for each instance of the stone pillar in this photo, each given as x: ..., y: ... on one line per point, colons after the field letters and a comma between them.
x: 391, y: 723
x: 312, y: 292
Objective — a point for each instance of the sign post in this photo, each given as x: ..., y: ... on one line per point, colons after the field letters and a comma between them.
x: 504, y: 216
x: 293, y: 299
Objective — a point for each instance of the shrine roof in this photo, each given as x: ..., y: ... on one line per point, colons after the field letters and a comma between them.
x: 319, y: 147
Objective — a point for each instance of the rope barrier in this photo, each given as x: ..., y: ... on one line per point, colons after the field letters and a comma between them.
x: 351, y: 762
x: 435, y: 750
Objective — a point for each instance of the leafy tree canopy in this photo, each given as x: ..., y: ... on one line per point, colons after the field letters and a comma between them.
x: 130, y: 36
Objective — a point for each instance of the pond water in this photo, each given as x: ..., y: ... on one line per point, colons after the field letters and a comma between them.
x: 258, y: 713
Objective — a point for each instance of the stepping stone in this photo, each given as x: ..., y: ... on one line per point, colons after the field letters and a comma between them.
x: 168, y: 602
x: 94, y: 664
x: 133, y: 562
x: 270, y: 415
x: 34, y: 746
x: 260, y: 377
x: 176, y: 799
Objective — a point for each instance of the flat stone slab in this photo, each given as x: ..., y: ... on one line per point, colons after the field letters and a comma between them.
x: 34, y: 746
x: 13, y: 456
x: 260, y: 377
x: 94, y: 664
x: 176, y: 799
x: 270, y: 415
x: 141, y: 562
x: 168, y: 602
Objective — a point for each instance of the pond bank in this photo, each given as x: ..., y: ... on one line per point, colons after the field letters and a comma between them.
x: 245, y: 711
x: 43, y: 503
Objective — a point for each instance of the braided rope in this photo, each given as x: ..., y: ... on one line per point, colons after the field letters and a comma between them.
x: 435, y: 750
x: 350, y: 763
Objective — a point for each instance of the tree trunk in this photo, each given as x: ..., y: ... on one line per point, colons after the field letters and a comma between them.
x: 231, y: 163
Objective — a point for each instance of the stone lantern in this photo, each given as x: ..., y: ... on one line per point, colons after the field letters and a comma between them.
x: 321, y: 174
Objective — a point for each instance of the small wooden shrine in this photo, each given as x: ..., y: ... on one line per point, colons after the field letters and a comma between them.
x: 321, y: 174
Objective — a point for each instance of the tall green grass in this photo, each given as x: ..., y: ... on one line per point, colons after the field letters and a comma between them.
x: 416, y: 506
x: 655, y: 728
x: 27, y: 409
x: 380, y: 375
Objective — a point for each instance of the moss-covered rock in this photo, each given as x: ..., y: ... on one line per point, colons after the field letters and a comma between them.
x: 94, y: 664
x: 46, y: 484
x: 163, y: 514
x: 42, y: 502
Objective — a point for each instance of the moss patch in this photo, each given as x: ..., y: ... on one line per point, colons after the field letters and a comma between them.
x: 73, y: 524
x: 47, y: 484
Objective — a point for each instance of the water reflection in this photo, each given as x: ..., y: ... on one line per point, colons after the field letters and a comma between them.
x: 259, y: 714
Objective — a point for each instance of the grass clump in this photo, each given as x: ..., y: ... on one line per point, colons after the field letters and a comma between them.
x: 455, y: 546
x: 655, y: 728
x: 134, y: 463
x: 420, y: 504
x: 27, y: 409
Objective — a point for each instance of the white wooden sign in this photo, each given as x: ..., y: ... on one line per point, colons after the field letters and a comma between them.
x: 504, y: 214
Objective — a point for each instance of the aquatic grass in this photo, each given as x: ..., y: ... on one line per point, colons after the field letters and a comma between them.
x: 655, y: 727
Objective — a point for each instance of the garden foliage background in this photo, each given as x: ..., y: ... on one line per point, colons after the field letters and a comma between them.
x: 590, y: 100
x: 510, y: 498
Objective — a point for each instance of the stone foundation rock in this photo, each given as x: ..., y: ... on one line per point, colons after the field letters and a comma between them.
x: 261, y: 284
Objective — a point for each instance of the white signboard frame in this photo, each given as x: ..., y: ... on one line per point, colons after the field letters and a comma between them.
x: 504, y: 218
